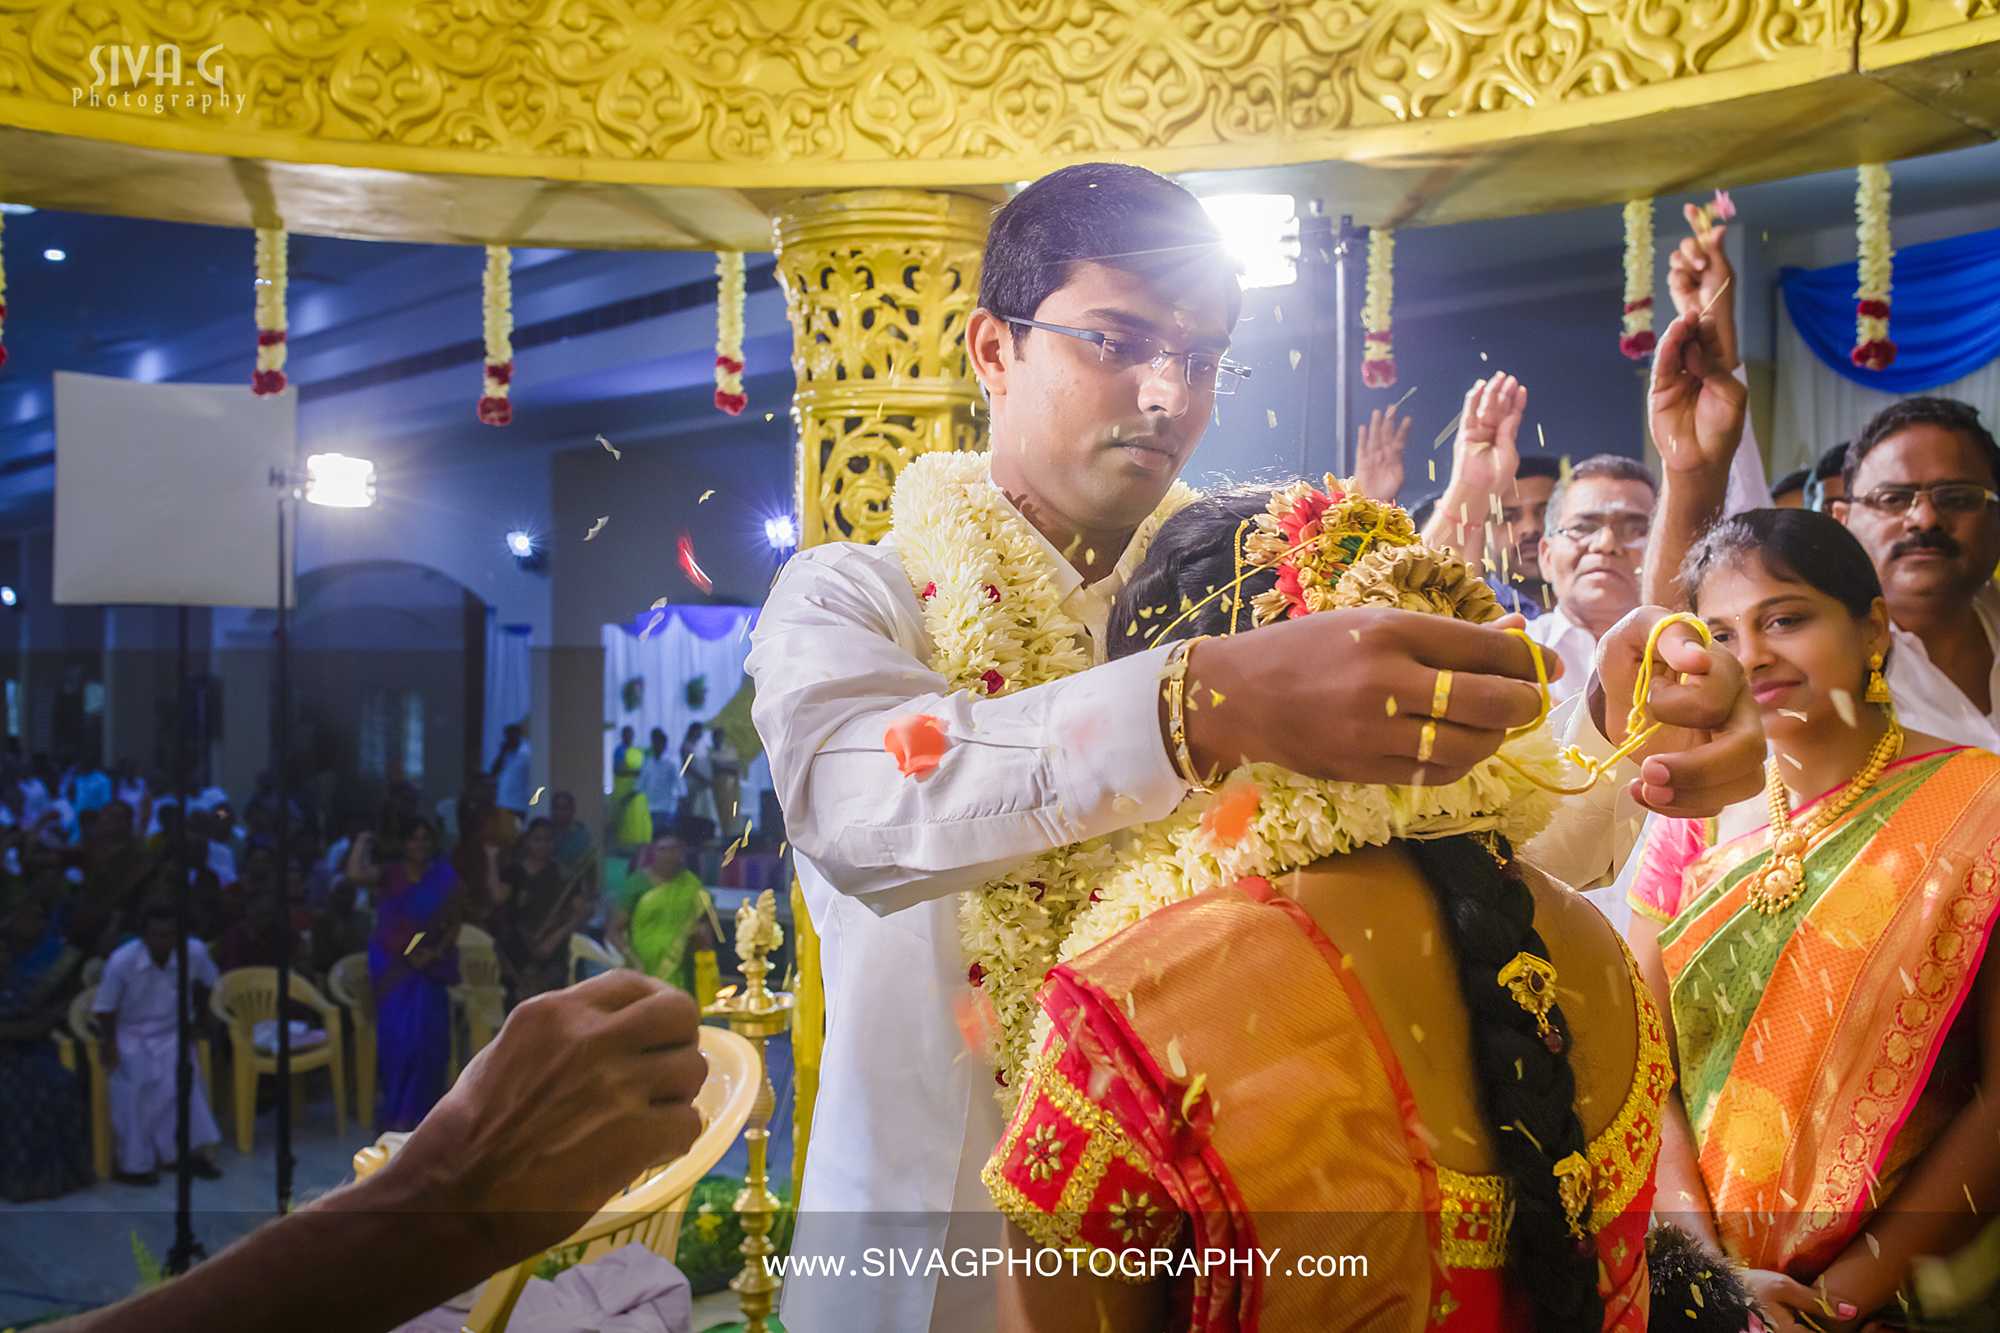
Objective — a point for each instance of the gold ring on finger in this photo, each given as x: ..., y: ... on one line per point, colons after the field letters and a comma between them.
x: 1426, y: 739
x: 1441, y: 694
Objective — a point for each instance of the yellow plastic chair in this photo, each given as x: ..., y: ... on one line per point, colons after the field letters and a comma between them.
x: 584, y: 949
x: 249, y: 995
x: 480, y: 997
x: 354, y: 990
x: 83, y: 1037
x: 650, y: 1209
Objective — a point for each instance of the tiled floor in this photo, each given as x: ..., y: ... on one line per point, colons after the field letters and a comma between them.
x: 77, y: 1251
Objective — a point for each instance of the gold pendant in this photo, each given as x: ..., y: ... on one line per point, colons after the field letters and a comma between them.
x: 1779, y: 886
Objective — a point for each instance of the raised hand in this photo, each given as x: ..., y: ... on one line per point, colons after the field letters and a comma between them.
x: 1378, y: 454
x: 1698, y: 274
x: 1695, y: 407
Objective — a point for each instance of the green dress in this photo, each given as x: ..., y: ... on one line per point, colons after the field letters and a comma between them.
x: 631, y: 821
x: 663, y: 923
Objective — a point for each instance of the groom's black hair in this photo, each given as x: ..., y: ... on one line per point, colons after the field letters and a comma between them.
x: 1107, y: 213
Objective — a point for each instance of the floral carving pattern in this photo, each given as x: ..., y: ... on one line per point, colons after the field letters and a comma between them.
x: 658, y: 85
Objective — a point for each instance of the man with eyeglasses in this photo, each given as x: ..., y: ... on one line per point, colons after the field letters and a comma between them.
x: 1102, y: 343
x: 1595, y: 539
x: 1921, y: 496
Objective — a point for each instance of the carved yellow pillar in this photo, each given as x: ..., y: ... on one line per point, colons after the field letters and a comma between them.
x: 879, y: 284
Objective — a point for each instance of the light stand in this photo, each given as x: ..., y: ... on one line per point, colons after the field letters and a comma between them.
x: 339, y: 482
x: 186, y: 1250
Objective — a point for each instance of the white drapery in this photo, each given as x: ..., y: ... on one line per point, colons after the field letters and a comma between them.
x: 1817, y: 409
x: 710, y: 642
x: 509, y: 681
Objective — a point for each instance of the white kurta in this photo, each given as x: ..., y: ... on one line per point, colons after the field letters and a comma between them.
x: 1575, y: 645
x: 905, y: 1115
x: 141, y: 1088
x: 1926, y: 699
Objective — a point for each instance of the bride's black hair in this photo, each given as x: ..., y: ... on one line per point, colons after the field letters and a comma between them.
x: 1527, y: 1091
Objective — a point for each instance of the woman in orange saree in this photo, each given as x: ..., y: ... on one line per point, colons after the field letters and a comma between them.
x: 1822, y: 969
x: 1402, y: 1128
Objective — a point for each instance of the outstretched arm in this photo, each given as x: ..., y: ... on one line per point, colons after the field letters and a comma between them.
x: 1696, y: 412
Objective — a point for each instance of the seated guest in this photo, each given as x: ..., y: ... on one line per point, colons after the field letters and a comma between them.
x: 413, y: 963
x: 543, y: 909
x: 1789, y: 491
x: 1821, y: 960
x: 44, y: 1125
x: 575, y: 848
x: 255, y: 940
x: 138, y: 1023
x: 115, y: 867
x: 476, y: 859
x: 1598, y: 522
x: 339, y: 928
x: 665, y: 915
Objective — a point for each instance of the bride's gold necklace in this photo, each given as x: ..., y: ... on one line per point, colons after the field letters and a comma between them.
x: 1784, y: 877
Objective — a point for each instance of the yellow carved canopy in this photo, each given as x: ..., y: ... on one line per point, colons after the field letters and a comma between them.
x: 692, y: 122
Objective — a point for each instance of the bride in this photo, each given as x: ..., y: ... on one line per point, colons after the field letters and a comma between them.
x: 1302, y: 1020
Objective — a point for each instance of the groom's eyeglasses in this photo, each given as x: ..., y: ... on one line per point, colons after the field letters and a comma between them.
x: 1123, y: 351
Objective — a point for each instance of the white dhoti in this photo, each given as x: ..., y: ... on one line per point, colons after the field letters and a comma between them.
x: 141, y: 1090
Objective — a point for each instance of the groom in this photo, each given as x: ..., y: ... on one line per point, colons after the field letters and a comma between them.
x: 1106, y: 307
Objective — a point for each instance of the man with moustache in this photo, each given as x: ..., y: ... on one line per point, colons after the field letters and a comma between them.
x: 1106, y: 306
x: 1595, y: 537
x: 1923, y: 495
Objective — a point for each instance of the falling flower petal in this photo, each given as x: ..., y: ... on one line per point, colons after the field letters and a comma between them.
x: 615, y: 454
x: 1271, y: 415
x: 704, y: 497
x: 685, y: 547
x: 536, y: 799
x: 597, y: 527
x: 1297, y: 356
x: 917, y: 743
x: 1174, y: 1060
x: 411, y: 947
x: 1229, y: 818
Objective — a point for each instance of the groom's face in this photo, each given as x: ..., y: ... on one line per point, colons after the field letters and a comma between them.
x: 1100, y: 435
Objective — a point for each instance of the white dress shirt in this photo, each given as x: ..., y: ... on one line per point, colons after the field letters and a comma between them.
x: 1926, y: 699
x: 511, y: 787
x: 905, y: 1115
x: 1575, y: 645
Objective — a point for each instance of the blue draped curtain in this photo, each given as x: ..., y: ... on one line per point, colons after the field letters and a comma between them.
x: 1944, y: 313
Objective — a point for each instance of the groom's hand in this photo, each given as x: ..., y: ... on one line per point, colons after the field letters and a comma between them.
x: 1313, y: 695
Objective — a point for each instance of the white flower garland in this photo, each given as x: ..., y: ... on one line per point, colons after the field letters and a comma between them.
x: 996, y: 625
x: 1874, y: 264
x: 1301, y: 820
x: 496, y: 407
x: 1378, y: 350
x: 1636, y: 340
x: 272, y: 283
x: 729, y: 395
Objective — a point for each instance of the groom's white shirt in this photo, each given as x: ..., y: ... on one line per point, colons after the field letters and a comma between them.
x: 905, y: 1115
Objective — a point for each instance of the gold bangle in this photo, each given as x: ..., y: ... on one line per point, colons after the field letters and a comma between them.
x: 1441, y: 694
x: 1175, y: 675
x: 1426, y: 739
